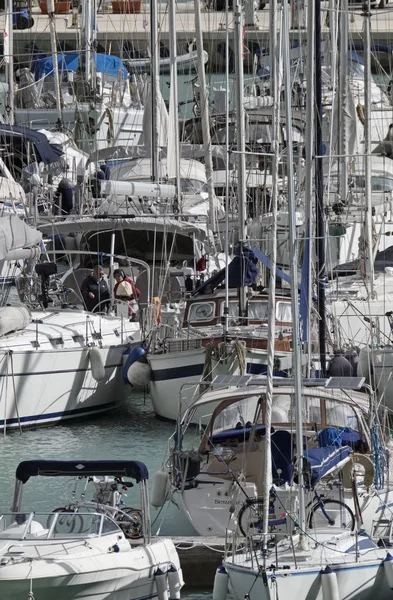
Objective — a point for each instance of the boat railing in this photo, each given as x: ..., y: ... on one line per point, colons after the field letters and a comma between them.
x: 56, y: 526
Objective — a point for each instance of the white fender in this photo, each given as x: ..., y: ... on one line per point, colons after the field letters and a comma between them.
x: 175, y: 582
x: 220, y: 588
x: 358, y: 459
x: 159, y: 488
x: 97, y: 364
x: 161, y: 580
x: 329, y: 583
x: 388, y: 568
x: 139, y: 374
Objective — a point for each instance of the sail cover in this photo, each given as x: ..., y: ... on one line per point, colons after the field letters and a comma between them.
x: 16, y: 137
x: 319, y: 462
x: 105, y: 63
x: 244, y: 263
x: 15, y: 234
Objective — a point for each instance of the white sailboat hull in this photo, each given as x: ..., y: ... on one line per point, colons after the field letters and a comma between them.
x: 355, y: 581
x: 175, y: 376
x: 65, y: 365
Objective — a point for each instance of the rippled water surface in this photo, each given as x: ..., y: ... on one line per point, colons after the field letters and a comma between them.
x: 131, y: 432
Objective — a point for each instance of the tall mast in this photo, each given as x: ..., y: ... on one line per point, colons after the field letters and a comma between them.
x: 294, y: 254
x: 320, y: 212
x: 52, y: 28
x: 369, y: 252
x: 155, y: 83
x: 89, y: 11
x: 9, y: 59
x: 274, y: 66
x: 241, y: 144
x: 174, y: 95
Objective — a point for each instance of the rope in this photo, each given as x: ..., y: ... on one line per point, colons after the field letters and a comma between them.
x: 240, y: 349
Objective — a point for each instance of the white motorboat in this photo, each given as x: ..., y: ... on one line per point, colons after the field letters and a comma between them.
x: 92, y: 550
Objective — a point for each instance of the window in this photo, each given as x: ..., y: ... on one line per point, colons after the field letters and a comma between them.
x: 284, y: 312
x: 202, y: 311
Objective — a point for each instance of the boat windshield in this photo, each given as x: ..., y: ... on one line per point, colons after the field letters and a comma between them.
x: 316, y: 411
x: 56, y: 525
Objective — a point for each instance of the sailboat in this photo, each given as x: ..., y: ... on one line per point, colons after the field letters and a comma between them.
x: 309, y: 562
x: 57, y: 361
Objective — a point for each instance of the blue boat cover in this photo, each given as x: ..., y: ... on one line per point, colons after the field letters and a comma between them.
x: 243, y: 263
x: 320, y: 461
x: 45, y: 152
x: 82, y: 468
x: 105, y: 63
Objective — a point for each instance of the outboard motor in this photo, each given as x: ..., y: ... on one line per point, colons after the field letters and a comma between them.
x: 45, y: 270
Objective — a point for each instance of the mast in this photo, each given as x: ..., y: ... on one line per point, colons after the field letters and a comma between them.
x: 343, y: 139
x: 89, y: 11
x: 205, y: 117
x: 294, y: 254
x: 52, y: 28
x: 173, y: 135
x: 9, y: 59
x: 306, y: 294
x: 319, y: 212
x: 367, y: 150
x: 155, y: 83
x: 241, y: 144
x: 274, y: 66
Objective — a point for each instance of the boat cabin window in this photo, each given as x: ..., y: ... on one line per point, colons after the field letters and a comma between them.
x: 202, y: 311
x: 284, y: 312
x: 258, y: 310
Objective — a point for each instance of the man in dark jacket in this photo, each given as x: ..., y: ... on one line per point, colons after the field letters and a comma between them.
x: 95, y: 291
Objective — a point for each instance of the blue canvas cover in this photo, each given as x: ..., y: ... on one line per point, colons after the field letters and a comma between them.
x: 82, y: 468
x: 243, y: 263
x: 16, y: 134
x: 318, y: 462
x: 105, y: 63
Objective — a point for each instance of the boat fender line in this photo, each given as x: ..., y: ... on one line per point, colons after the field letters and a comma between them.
x: 358, y: 459
x: 388, y: 568
x: 161, y: 580
x: 175, y: 581
x: 159, y: 489
x: 140, y: 374
x: 220, y: 587
x: 96, y: 364
x: 329, y: 584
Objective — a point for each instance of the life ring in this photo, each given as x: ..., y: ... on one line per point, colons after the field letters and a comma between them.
x: 358, y: 459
